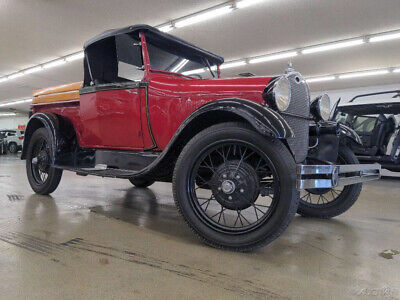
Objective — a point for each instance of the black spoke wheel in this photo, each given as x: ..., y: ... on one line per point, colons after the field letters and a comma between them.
x: 328, y: 203
x: 42, y: 177
x: 234, y: 187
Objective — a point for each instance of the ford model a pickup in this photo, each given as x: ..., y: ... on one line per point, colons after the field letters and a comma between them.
x: 237, y: 151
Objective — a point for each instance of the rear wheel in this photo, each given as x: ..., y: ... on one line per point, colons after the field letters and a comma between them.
x: 329, y: 203
x: 42, y: 177
x: 141, y: 183
x: 234, y: 187
x: 12, y: 148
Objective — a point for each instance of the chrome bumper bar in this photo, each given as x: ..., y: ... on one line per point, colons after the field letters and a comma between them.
x: 329, y: 176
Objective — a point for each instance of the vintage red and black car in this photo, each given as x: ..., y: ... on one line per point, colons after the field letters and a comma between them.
x: 153, y: 107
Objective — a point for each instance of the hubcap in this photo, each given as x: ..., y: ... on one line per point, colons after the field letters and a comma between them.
x: 228, y: 186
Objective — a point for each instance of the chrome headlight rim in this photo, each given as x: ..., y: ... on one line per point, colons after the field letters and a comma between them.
x: 321, y: 107
x: 281, y: 94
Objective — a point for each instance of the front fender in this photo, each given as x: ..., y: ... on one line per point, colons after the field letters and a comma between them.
x: 38, y: 120
x: 265, y: 120
x: 348, y: 133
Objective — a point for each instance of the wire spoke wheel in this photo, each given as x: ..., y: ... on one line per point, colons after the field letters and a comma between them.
x: 328, y: 203
x: 233, y: 187
x: 40, y: 163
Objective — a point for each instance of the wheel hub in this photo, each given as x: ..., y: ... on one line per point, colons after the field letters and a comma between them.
x: 43, y: 161
x: 235, y: 185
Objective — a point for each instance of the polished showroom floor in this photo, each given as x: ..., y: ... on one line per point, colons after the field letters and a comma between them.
x: 102, y: 238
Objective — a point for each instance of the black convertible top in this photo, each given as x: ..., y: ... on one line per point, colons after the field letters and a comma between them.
x: 164, y: 39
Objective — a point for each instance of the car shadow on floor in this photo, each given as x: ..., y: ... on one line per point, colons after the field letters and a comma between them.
x: 141, y: 207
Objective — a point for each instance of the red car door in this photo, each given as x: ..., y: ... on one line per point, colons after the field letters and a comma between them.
x: 112, y: 119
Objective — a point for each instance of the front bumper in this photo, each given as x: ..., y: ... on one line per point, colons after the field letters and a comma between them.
x: 329, y: 176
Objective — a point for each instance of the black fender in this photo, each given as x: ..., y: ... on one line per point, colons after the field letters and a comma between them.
x: 36, y: 121
x: 348, y: 133
x: 265, y: 120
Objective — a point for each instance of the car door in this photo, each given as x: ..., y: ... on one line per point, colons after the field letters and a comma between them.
x: 110, y: 109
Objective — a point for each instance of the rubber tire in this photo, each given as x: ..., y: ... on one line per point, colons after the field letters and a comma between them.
x: 342, y: 203
x: 141, y: 183
x: 12, y: 148
x: 54, y: 177
x: 284, y: 164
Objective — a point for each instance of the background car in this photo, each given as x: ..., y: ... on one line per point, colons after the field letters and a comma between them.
x: 375, y: 118
x: 12, y: 140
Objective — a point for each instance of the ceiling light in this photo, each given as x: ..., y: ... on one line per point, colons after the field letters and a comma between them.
x: 233, y: 64
x: 7, y: 114
x: 2, y: 79
x: 33, y: 70
x: 203, y: 16
x: 318, y: 79
x: 15, y: 75
x: 166, y: 28
x: 54, y: 63
x: 273, y: 57
x: 180, y: 65
x: 15, y: 102
x: 332, y: 46
x: 246, y: 3
x: 363, y: 74
x: 396, y: 70
x: 75, y: 56
x: 197, y: 71
x: 385, y: 37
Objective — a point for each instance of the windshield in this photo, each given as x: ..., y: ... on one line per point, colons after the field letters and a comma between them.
x: 170, y: 61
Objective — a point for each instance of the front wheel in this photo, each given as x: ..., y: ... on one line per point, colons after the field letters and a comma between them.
x: 42, y: 177
x: 329, y: 203
x: 234, y: 187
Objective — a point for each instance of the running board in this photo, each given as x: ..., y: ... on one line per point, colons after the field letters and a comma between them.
x: 329, y: 176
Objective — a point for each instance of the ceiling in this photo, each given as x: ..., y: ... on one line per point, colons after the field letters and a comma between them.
x: 34, y: 32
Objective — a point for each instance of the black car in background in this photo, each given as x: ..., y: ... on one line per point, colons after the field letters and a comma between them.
x: 375, y: 118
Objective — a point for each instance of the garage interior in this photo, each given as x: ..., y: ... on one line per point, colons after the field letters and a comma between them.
x: 104, y: 238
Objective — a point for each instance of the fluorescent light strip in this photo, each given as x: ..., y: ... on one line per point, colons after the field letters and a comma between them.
x: 15, y: 75
x: 2, y: 79
x: 196, y: 71
x: 396, y: 70
x: 319, y: 79
x: 33, y: 70
x: 384, y: 37
x: 247, y: 3
x: 166, y: 28
x: 363, y: 74
x: 75, y: 56
x: 180, y: 65
x: 7, y: 114
x: 54, y: 63
x: 203, y: 16
x: 273, y: 57
x: 233, y: 64
x: 332, y: 46
x: 12, y: 103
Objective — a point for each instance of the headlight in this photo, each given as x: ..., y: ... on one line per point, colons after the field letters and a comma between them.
x: 279, y: 96
x: 321, y: 107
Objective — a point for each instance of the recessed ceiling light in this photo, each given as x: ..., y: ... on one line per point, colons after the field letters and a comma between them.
x: 363, y: 74
x: 165, y: 28
x: 75, y: 56
x: 332, y: 46
x: 203, y: 16
x: 385, y: 37
x: 33, y: 70
x: 15, y: 75
x: 233, y: 64
x: 322, y: 78
x: 246, y: 3
x: 54, y: 63
x: 273, y: 57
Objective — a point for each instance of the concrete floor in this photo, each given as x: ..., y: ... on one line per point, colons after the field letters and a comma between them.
x: 103, y: 238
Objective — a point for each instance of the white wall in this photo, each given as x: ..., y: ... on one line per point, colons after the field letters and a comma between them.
x: 348, y: 94
x: 12, y: 122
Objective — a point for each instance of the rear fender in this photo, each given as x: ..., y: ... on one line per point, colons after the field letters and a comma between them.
x: 39, y: 120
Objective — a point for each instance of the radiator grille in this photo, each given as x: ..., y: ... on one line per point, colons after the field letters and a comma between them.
x: 299, y: 106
